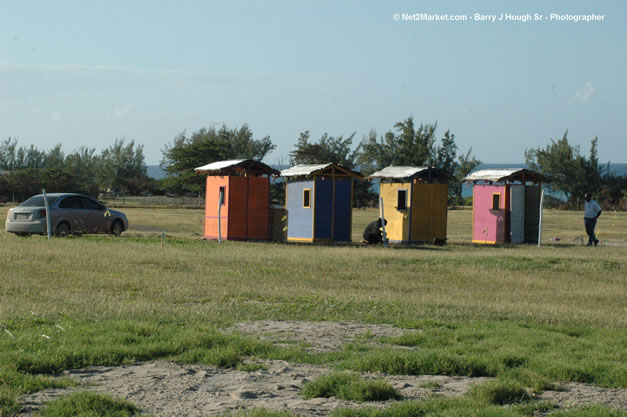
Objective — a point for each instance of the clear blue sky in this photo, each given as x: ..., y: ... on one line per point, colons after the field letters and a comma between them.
x: 83, y: 73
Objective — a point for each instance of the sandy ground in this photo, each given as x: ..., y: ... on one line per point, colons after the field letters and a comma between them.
x: 171, y: 389
x: 316, y: 337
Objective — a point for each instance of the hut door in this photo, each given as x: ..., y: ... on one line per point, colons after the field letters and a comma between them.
x: 532, y: 213
x: 517, y: 213
x: 323, y: 209
x: 342, y: 210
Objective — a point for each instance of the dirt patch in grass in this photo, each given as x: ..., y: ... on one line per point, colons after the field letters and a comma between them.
x: 172, y: 389
x: 316, y: 337
x: 576, y: 395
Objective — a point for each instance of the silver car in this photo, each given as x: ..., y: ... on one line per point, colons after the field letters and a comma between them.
x: 69, y: 214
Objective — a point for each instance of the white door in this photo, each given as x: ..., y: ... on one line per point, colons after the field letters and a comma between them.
x: 517, y: 201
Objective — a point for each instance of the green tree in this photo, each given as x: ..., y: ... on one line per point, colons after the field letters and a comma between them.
x: 54, y: 158
x: 122, y: 166
x: 326, y: 149
x: 613, y: 189
x: 569, y: 171
x: 83, y: 165
x: 22, y: 183
x: 465, y: 163
x: 14, y: 157
x: 33, y: 158
x: 417, y: 146
x: 203, y: 147
x: 5, y: 192
x: 242, y: 145
x: 8, y: 155
x: 28, y: 170
x: 64, y: 180
x: 410, y: 146
x: 330, y: 149
x: 445, y: 153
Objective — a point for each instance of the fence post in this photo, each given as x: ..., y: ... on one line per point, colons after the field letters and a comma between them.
x: 43, y: 191
x: 219, y: 216
x: 385, y: 237
x: 540, y: 221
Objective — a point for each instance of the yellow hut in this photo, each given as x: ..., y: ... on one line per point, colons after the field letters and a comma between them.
x: 415, y: 201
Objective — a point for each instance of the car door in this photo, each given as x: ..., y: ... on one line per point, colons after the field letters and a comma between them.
x: 70, y: 210
x: 93, y: 214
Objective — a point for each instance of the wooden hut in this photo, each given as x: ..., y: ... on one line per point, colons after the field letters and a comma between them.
x: 237, y: 203
x: 319, y: 202
x: 415, y: 201
x: 506, y: 205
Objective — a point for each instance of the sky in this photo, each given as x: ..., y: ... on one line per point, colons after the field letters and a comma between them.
x: 84, y: 72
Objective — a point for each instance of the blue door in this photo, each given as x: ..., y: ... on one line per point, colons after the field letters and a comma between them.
x: 323, y: 211
x: 342, y: 216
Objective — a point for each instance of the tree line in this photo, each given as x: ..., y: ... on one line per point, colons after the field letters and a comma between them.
x: 121, y: 167
x: 24, y: 171
x: 407, y: 144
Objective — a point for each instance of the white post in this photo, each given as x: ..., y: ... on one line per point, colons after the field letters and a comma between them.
x: 47, y: 214
x: 385, y: 237
x: 540, y: 221
x: 219, y: 216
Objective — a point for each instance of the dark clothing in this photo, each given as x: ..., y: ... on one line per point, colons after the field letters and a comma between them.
x: 590, y: 224
x: 592, y: 211
x: 373, y: 234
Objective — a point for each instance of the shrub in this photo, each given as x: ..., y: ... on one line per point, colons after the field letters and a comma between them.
x: 500, y: 392
x: 350, y: 387
x: 85, y: 404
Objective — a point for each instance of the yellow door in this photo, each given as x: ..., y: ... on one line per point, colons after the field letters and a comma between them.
x: 397, y: 205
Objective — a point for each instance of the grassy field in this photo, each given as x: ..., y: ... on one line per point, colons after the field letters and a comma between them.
x: 567, y: 226
x: 528, y: 316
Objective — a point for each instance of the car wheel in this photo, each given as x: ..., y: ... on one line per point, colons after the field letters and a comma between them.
x: 117, y: 228
x: 62, y: 230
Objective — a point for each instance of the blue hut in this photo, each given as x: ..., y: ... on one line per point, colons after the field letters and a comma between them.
x: 319, y: 202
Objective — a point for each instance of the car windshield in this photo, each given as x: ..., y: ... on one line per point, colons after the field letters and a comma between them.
x: 37, y: 201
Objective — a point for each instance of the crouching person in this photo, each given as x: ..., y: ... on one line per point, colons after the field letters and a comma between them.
x: 373, y: 233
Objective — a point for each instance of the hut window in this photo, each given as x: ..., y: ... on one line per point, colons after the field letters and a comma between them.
x: 496, y: 201
x: 401, y: 203
x: 221, y: 195
x: 307, y: 198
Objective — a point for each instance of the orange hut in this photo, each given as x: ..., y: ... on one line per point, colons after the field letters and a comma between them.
x: 237, y: 202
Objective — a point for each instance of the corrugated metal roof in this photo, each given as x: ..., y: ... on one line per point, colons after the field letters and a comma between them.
x: 510, y: 174
x: 398, y: 172
x: 237, y: 164
x: 305, y: 170
x: 215, y: 166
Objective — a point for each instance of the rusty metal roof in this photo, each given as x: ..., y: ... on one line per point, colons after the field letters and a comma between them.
x: 502, y: 175
x: 235, y: 165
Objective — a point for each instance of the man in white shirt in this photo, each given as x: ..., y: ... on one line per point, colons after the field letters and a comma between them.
x: 592, y: 211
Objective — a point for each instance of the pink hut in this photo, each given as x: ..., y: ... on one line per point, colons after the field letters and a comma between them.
x: 506, y: 205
